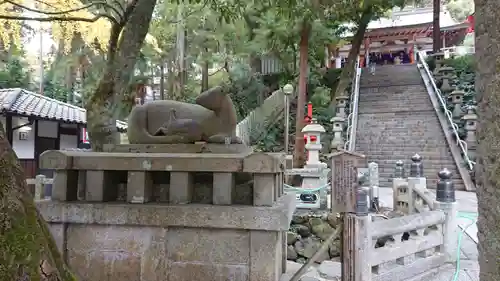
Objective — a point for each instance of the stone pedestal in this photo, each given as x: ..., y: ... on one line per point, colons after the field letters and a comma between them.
x: 184, y: 238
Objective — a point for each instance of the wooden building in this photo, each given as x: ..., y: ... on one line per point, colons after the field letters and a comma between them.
x: 401, y: 34
x: 34, y: 123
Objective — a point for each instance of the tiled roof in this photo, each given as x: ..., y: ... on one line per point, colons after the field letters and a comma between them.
x: 23, y: 102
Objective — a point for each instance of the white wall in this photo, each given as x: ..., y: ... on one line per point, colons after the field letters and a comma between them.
x: 68, y: 141
x: 47, y: 129
x: 24, y: 149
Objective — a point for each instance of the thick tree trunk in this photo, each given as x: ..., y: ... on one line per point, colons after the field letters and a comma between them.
x: 487, y: 31
x: 357, y: 40
x: 298, y: 154
x: 28, y: 251
x: 102, y: 109
x: 436, y: 29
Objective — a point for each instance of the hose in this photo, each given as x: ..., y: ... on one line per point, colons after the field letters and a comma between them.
x: 473, y: 218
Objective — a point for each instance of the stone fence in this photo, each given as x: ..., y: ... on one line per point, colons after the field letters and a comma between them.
x: 39, y: 182
x: 169, y: 216
x: 399, y: 248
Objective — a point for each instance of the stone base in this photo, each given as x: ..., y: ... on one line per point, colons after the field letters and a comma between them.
x: 153, y: 242
x: 201, y: 147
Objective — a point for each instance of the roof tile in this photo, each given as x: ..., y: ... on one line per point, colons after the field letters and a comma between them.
x: 24, y: 102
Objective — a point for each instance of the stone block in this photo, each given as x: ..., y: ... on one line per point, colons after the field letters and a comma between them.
x: 264, y: 189
x: 181, y: 188
x: 139, y: 187
x: 182, y: 271
x: 100, y: 186
x: 218, y: 246
x: 65, y: 185
x: 223, y: 187
x: 264, y: 256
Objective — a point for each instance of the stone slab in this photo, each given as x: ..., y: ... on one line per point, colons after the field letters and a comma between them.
x: 184, y: 162
x: 275, y: 218
x: 201, y: 147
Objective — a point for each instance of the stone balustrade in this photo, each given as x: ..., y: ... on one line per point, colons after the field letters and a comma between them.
x: 401, y: 248
x: 183, y: 236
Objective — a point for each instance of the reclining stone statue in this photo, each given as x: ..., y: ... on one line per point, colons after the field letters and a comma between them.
x: 211, y: 119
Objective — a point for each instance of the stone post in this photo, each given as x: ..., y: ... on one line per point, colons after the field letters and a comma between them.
x: 457, y: 98
x: 374, y: 186
x: 415, y: 180
x: 313, y: 146
x: 337, y: 129
x: 470, y: 126
x: 341, y: 105
x: 397, y: 181
x: 445, y: 201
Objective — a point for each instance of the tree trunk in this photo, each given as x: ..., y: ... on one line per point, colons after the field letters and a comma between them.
x: 28, y: 249
x: 436, y: 29
x: 162, y: 79
x: 357, y: 40
x: 124, y: 48
x: 487, y: 31
x: 298, y: 155
x: 204, y: 72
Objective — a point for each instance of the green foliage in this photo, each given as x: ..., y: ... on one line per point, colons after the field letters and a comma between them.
x: 14, y: 74
x: 460, y: 9
x: 57, y: 91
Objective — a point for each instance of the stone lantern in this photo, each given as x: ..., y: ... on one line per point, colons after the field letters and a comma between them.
x: 312, y: 132
x: 438, y: 60
x: 457, y: 98
x: 337, y: 129
x: 470, y: 126
x: 446, y: 73
x: 341, y: 105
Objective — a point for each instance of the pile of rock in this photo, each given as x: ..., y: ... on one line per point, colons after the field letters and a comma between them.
x: 307, y: 232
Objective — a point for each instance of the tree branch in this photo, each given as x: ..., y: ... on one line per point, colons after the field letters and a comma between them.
x: 189, y: 14
x: 57, y: 18
x: 56, y: 13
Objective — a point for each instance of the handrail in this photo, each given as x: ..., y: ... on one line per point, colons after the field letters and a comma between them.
x: 462, y: 144
x: 260, y: 117
x: 352, y: 118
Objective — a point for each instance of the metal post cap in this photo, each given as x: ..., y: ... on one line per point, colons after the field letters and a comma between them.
x: 445, y: 174
x: 400, y: 163
x: 445, y: 190
x: 416, y: 158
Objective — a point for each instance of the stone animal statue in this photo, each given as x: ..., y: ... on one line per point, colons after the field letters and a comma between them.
x: 211, y: 119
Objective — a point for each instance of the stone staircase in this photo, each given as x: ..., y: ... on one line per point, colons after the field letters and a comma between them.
x: 396, y: 120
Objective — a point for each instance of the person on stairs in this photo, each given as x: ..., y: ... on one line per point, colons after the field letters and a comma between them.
x: 372, y: 62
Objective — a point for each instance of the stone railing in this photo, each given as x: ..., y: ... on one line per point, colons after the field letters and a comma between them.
x: 450, y: 100
x: 443, y: 94
x: 257, y: 122
x: 410, y: 195
x: 403, y: 247
x: 231, y: 205
x: 39, y: 182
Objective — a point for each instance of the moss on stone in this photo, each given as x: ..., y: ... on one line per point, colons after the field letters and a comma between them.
x: 27, y: 249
